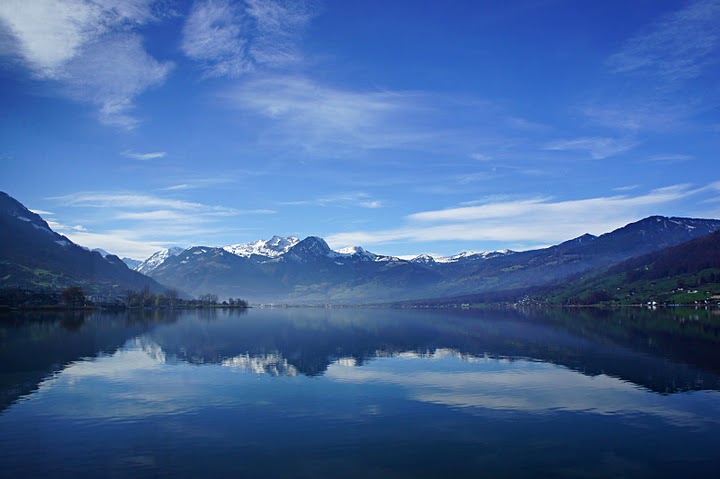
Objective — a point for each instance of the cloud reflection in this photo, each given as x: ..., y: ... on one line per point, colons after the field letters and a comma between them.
x: 477, y: 385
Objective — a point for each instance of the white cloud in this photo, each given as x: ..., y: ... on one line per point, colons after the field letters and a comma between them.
x: 197, y: 183
x: 671, y: 158
x: 42, y: 212
x: 182, y: 186
x: 229, y: 39
x: 144, y: 156
x: 279, y: 24
x: 530, y: 222
x: 481, y: 157
x: 371, y: 204
x: 676, y: 47
x: 170, y: 215
x: 312, y: 115
x: 626, y: 188
x: 343, y: 200
x: 159, y: 215
x: 122, y: 242
x: 640, y: 112
x: 133, y: 200
x: 212, y: 35
x: 332, y: 121
x: 598, y: 147
x: 88, y: 47
x: 110, y: 73
x: 136, y: 225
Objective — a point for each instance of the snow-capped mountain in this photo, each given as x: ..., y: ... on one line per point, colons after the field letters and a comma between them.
x: 309, y: 249
x: 271, y: 248
x: 157, y: 259
x: 472, y: 255
x: 361, y: 254
x: 423, y: 259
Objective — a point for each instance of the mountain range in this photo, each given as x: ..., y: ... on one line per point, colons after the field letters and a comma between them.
x: 308, y: 271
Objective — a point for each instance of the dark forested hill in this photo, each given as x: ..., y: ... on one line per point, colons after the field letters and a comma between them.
x: 33, y: 256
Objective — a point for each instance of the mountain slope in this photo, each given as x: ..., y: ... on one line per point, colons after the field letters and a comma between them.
x: 32, y: 256
x: 157, y: 259
x: 679, y: 274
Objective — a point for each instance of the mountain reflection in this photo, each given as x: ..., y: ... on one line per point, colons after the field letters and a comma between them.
x: 663, y: 351
x: 272, y: 364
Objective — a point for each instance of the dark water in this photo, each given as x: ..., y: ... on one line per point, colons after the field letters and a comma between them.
x: 361, y: 393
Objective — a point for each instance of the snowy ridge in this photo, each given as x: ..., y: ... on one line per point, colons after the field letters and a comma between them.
x: 271, y: 248
x: 423, y: 259
x: 278, y: 246
x: 157, y: 259
x: 358, y: 252
x: 469, y: 255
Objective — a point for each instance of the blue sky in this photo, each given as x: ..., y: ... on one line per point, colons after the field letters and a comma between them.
x: 402, y: 126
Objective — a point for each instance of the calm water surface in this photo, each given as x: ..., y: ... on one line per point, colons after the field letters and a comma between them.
x: 360, y: 393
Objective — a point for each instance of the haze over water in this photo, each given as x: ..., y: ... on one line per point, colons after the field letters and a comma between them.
x: 360, y: 393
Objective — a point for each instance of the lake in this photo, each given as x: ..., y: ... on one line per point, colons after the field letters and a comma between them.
x: 360, y: 393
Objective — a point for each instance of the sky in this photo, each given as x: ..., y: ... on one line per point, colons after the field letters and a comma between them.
x: 405, y: 127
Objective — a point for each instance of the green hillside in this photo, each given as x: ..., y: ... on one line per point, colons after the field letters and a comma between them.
x: 684, y: 274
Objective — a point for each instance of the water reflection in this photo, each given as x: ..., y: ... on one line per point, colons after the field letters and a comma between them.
x: 664, y: 351
x: 360, y: 393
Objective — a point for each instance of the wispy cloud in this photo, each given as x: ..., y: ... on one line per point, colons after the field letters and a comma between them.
x: 198, y: 183
x: 313, y: 115
x: 481, y: 157
x: 144, y: 156
x: 229, y: 39
x: 641, y: 111
x: 676, y: 47
x: 371, y: 204
x: 295, y: 98
x: 124, y: 243
x: 598, y: 147
x: 89, y: 47
x: 174, y: 215
x: 361, y: 199
x: 626, y: 188
x: 135, y: 224
x: 134, y: 200
x: 670, y: 158
x: 337, y: 121
x: 42, y: 212
x: 529, y: 222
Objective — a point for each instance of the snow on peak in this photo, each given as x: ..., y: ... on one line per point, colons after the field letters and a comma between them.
x: 472, y: 255
x: 351, y: 250
x: 358, y: 252
x: 157, y: 259
x: 275, y: 246
x: 423, y: 259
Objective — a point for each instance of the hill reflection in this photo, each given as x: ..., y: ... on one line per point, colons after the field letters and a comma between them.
x: 664, y: 351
